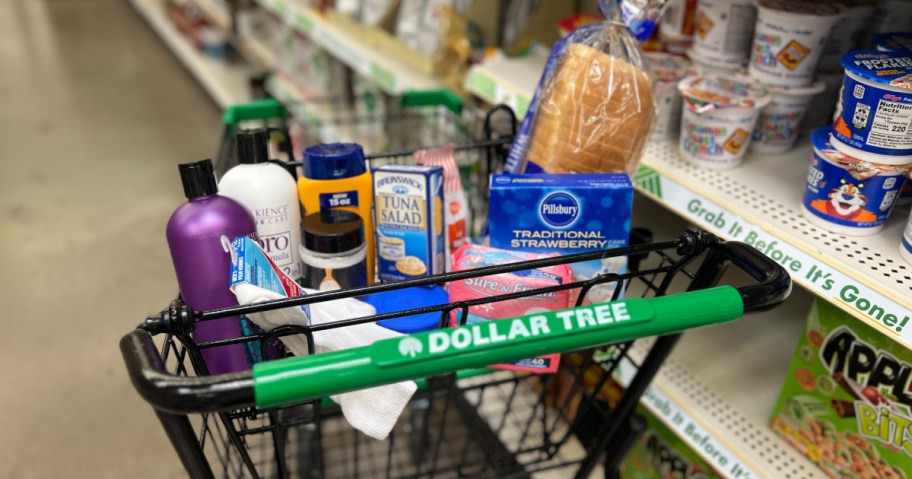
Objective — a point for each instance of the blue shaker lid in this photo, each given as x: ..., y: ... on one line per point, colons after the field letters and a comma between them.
x: 409, y: 298
x: 332, y: 161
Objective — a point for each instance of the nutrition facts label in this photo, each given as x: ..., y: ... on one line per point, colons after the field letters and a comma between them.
x: 892, y: 125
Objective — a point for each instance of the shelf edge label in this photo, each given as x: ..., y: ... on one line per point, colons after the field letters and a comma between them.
x: 883, y: 313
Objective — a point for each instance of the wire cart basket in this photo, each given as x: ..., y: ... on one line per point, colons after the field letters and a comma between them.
x: 390, y: 127
x: 466, y: 420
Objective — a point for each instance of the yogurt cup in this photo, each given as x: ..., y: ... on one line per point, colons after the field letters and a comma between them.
x: 847, y: 35
x: 777, y: 126
x: 789, y: 39
x: 873, y: 120
x: 846, y: 195
x: 718, y: 119
x: 820, y: 111
x: 667, y: 70
x: 705, y: 66
x: 723, y: 30
x: 894, y: 42
x: 905, y: 246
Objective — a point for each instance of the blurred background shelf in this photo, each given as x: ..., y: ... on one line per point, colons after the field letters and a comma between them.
x: 359, y: 54
x: 227, y: 83
x: 216, y: 11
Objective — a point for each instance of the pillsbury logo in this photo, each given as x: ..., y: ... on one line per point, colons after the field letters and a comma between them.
x: 559, y: 209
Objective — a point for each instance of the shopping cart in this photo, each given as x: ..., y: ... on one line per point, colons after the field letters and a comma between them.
x: 466, y: 420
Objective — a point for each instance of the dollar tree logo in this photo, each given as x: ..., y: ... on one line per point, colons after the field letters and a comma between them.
x: 410, y: 347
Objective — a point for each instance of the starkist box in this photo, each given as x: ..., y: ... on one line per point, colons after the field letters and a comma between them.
x: 847, y: 398
x: 566, y: 214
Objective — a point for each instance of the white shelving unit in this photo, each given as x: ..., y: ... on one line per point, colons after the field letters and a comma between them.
x: 226, y: 83
x: 389, y: 73
x: 216, y: 12
x: 257, y: 52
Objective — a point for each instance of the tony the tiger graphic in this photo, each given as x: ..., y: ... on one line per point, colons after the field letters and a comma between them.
x: 846, y: 202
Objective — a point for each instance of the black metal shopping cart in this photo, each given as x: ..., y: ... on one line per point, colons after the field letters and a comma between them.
x: 466, y: 420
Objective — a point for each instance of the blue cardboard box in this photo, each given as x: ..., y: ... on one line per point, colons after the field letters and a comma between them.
x: 566, y: 214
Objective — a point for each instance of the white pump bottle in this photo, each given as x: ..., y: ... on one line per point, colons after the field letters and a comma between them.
x: 271, y: 195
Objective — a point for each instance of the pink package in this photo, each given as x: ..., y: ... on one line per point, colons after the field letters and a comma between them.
x: 470, y: 256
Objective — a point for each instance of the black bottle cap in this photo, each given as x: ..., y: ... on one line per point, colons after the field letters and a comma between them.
x: 332, y: 231
x: 252, y: 146
x: 198, y: 179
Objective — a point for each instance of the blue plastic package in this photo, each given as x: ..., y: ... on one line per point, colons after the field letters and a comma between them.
x: 409, y: 298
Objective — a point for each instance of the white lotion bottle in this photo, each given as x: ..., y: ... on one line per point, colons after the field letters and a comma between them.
x: 271, y: 195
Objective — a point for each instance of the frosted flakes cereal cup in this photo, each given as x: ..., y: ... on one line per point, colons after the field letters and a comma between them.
x: 873, y: 120
x: 667, y: 70
x: 777, y: 127
x: 718, y: 119
x: 894, y: 42
x: 722, y: 30
x: 789, y: 39
x: 847, y: 195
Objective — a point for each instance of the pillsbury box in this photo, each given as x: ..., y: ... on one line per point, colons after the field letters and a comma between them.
x: 565, y: 214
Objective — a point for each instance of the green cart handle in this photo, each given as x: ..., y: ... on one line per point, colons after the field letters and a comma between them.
x: 417, y: 356
x: 265, y: 109
x: 443, y: 351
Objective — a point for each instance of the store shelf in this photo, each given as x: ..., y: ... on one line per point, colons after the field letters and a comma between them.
x: 330, y: 121
x: 216, y: 12
x: 256, y: 52
x: 759, y: 203
x: 510, y: 81
x: 723, y: 415
x: 366, y: 59
x: 226, y: 83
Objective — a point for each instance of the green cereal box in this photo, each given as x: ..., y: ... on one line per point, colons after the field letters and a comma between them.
x: 662, y: 454
x: 847, y: 399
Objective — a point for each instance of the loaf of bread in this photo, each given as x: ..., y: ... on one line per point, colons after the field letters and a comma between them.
x: 594, y: 115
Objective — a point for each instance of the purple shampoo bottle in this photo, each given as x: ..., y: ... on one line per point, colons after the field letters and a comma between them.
x: 199, y: 235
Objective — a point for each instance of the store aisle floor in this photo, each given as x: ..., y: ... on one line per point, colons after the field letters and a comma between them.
x: 96, y: 113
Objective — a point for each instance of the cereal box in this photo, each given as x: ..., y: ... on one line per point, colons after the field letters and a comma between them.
x: 409, y: 221
x: 847, y: 399
x: 662, y: 454
x: 565, y: 214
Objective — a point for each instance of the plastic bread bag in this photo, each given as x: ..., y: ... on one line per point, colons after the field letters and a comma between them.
x: 594, y: 107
